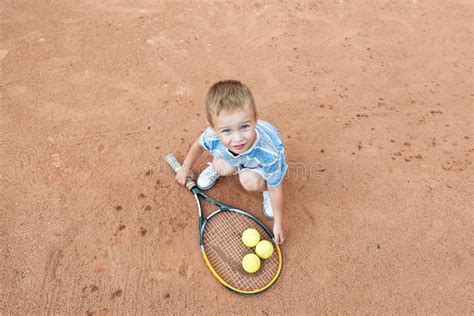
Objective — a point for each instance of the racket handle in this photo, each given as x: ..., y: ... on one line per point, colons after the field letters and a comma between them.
x: 175, y: 165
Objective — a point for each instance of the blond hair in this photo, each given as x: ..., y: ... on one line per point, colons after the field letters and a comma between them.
x: 228, y: 96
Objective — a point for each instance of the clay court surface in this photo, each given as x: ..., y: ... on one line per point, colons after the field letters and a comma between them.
x: 374, y: 101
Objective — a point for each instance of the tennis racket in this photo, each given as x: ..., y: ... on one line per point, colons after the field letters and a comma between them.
x: 221, y: 245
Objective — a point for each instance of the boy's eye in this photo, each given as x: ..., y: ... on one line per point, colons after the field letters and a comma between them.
x: 245, y: 126
x: 225, y: 131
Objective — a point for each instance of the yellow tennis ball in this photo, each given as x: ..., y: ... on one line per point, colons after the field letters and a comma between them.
x: 251, y: 263
x: 264, y: 249
x: 250, y: 237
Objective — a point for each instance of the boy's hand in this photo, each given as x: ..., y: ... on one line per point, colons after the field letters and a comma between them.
x: 182, y: 174
x: 278, y: 233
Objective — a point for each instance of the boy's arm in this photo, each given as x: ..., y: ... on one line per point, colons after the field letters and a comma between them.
x: 193, y: 155
x: 276, y: 197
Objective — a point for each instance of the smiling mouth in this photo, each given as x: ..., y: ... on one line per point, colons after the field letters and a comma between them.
x: 239, y: 146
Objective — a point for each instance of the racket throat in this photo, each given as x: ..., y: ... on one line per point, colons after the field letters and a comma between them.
x: 201, y: 230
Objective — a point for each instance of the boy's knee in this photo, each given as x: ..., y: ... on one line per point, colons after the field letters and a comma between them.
x: 223, y: 168
x: 251, y: 181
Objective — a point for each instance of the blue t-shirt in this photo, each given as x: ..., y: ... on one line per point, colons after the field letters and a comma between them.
x: 266, y: 156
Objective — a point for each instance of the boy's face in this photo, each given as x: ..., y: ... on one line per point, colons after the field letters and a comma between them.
x: 236, y: 130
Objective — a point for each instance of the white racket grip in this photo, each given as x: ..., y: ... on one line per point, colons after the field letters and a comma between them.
x: 175, y: 165
x: 173, y: 162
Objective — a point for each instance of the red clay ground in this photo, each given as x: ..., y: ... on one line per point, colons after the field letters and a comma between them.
x: 375, y: 105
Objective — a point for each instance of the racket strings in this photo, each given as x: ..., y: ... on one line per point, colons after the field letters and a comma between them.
x: 225, y: 250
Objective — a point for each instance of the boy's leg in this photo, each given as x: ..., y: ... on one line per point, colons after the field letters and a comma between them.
x: 252, y: 181
x: 223, y: 168
x: 208, y: 177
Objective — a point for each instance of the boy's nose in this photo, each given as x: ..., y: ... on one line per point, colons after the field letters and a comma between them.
x: 237, y: 137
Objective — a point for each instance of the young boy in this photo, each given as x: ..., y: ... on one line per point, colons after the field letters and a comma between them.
x: 240, y: 144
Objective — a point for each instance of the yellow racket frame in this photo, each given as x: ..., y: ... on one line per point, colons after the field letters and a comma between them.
x: 227, y: 285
